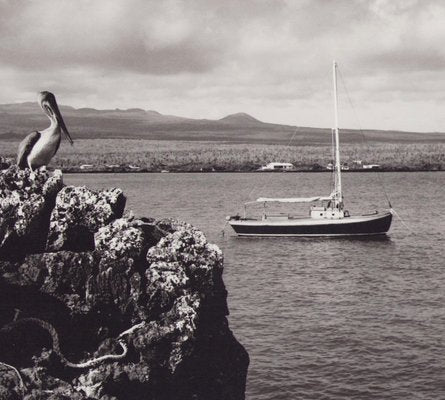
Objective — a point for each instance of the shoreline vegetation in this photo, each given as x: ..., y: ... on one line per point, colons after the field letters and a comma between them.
x: 138, y: 155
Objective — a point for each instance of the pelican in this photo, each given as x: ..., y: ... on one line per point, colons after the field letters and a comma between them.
x: 38, y: 148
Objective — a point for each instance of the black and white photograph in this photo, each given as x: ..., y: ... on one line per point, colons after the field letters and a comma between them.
x: 222, y: 200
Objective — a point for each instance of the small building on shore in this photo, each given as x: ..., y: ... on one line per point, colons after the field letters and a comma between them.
x: 277, y: 166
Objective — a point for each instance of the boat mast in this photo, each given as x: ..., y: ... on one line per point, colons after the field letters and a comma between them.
x: 337, y: 182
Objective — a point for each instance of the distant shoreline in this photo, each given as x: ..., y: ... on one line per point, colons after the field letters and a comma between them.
x: 244, y: 172
x: 121, y: 156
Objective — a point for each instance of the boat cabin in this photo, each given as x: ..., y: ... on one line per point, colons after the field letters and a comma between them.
x: 328, y: 209
x: 321, y: 207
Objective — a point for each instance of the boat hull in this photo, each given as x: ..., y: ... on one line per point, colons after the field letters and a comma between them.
x: 376, y: 224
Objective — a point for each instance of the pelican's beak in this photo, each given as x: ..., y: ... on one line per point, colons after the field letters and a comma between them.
x: 63, y: 126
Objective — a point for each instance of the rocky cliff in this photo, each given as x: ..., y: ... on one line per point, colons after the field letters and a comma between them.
x: 98, y: 304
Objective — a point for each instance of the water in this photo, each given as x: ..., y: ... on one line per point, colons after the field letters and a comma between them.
x: 322, y: 318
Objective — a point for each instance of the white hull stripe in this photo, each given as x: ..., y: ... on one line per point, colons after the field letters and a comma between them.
x: 312, y: 235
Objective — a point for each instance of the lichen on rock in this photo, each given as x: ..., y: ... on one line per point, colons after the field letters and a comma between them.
x: 99, y: 280
x: 26, y: 200
x: 79, y: 213
x: 120, y: 239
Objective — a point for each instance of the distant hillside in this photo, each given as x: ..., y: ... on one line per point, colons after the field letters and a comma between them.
x: 241, y: 119
x: 16, y: 120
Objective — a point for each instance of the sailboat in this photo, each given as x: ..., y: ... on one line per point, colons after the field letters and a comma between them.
x: 327, y: 214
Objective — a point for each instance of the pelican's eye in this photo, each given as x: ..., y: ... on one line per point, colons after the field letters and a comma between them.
x: 49, y: 109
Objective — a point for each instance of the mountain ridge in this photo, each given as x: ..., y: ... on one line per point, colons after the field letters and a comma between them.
x: 18, y: 119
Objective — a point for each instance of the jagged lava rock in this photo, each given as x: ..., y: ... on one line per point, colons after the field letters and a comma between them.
x: 26, y: 201
x: 79, y: 213
x: 154, y: 287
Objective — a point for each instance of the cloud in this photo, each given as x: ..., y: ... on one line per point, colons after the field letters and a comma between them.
x: 153, y: 37
x: 205, y: 58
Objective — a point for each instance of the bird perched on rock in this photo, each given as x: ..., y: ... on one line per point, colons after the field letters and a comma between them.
x: 38, y: 148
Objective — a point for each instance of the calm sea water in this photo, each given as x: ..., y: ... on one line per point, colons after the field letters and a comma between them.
x: 322, y: 318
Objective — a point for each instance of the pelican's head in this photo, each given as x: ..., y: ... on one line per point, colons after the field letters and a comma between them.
x: 49, y: 106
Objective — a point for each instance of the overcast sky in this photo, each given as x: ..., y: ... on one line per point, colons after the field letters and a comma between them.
x: 209, y: 58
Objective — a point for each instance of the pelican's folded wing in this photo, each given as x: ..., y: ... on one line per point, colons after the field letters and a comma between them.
x: 25, y: 148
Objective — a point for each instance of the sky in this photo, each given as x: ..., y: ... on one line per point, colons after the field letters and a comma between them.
x: 209, y: 58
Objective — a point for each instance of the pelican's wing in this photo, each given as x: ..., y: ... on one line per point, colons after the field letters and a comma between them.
x: 25, y: 148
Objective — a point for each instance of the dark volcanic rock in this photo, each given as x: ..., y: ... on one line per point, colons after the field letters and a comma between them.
x: 26, y: 201
x: 79, y: 213
x: 121, y: 308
